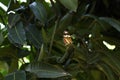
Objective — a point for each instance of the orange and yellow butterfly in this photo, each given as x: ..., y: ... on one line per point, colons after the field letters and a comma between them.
x: 67, y: 38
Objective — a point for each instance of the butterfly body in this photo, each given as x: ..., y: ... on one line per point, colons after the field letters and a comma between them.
x: 67, y: 38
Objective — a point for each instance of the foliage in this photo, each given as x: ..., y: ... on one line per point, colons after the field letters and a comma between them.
x: 40, y: 25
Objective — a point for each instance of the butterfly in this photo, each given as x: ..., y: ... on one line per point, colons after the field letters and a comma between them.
x: 67, y: 38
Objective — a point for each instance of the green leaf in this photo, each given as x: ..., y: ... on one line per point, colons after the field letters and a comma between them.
x: 70, y: 4
x: 22, y: 53
x: 2, y: 13
x: 94, y: 58
x: 64, y: 23
x: 13, y: 4
x: 107, y: 71
x: 112, y: 61
x: 113, y: 22
x: 14, y: 65
x: 96, y: 74
x: 1, y: 77
x: 39, y: 11
x: 79, y: 54
x: 44, y: 35
x: 7, y: 52
x: 68, y: 54
x: 13, y: 19
x: 41, y: 54
x: 96, y: 29
x: 112, y: 41
x: 97, y: 20
x: 34, y: 36
x: 18, y: 75
x: 5, y: 2
x: 17, y: 34
x: 1, y: 37
x: 106, y: 2
x: 44, y: 70
x: 3, y: 68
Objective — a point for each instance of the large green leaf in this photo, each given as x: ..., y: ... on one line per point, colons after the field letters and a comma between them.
x: 70, y: 4
x: 44, y: 70
x: 34, y: 35
x: 113, y: 22
x: 39, y: 11
x: 13, y: 19
x: 17, y: 34
x: 18, y: 75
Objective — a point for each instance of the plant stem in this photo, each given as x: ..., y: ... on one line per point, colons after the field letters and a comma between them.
x: 2, y: 20
x: 52, y: 38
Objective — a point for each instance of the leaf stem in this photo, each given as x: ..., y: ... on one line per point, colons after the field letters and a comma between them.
x: 2, y: 20
x: 52, y: 38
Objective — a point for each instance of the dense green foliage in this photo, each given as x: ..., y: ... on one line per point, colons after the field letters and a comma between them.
x: 40, y: 25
